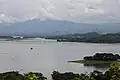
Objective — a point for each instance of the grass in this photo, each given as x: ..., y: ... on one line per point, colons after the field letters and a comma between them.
x: 92, y: 62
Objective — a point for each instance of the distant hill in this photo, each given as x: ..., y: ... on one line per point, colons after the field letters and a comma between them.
x: 90, y: 37
x: 54, y: 27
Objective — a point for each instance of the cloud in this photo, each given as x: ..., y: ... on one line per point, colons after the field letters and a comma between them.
x: 9, y: 19
x: 75, y: 10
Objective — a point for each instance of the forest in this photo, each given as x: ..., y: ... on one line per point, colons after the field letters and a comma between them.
x: 90, y: 37
x: 113, y: 73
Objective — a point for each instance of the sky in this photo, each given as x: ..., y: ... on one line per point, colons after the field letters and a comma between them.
x: 72, y: 10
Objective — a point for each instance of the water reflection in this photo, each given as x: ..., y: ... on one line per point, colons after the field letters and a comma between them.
x: 97, y: 66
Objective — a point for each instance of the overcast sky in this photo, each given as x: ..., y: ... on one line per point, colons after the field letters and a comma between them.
x: 75, y: 10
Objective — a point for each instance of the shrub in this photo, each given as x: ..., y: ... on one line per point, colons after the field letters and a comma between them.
x: 11, y: 76
x: 34, y: 76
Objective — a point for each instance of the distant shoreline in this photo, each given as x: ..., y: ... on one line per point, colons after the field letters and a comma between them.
x: 91, y: 37
x: 91, y: 42
x: 92, y: 62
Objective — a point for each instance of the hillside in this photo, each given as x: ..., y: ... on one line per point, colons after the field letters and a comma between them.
x: 91, y: 37
x: 54, y: 27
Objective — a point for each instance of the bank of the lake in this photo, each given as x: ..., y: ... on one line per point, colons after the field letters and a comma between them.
x: 92, y: 62
x: 98, y: 59
x: 111, y: 74
x: 90, y: 37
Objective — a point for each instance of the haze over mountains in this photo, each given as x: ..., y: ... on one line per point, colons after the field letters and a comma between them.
x: 54, y: 27
x: 54, y: 17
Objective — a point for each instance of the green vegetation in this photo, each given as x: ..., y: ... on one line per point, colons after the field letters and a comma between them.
x: 113, y: 73
x: 99, y: 60
x: 103, y: 57
x: 91, y: 37
x: 11, y: 76
x: 17, y: 76
x: 34, y: 76
x: 92, y: 62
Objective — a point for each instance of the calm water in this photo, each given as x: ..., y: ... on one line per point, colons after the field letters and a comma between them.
x: 46, y: 57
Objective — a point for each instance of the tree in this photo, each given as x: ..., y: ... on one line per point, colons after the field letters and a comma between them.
x: 114, y: 72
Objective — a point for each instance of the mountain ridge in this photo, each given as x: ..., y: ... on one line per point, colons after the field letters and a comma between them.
x: 55, y: 27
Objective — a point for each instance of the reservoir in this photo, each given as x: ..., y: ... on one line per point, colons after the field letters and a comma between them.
x: 45, y: 57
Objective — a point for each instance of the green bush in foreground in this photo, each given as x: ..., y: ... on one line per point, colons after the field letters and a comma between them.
x: 34, y: 76
x: 112, y: 74
x: 11, y: 76
x: 17, y: 76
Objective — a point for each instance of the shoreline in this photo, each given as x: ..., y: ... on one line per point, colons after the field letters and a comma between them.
x: 92, y: 62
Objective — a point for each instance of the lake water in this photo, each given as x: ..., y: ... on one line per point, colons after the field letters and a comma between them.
x: 48, y: 56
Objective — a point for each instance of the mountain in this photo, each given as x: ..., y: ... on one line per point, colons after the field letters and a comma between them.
x: 54, y: 27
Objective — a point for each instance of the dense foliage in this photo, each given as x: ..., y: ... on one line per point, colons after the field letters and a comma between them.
x: 113, y: 73
x: 91, y: 37
x: 103, y: 57
x: 11, y: 76
x: 17, y: 76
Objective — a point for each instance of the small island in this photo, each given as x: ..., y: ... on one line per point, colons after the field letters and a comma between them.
x: 100, y: 58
